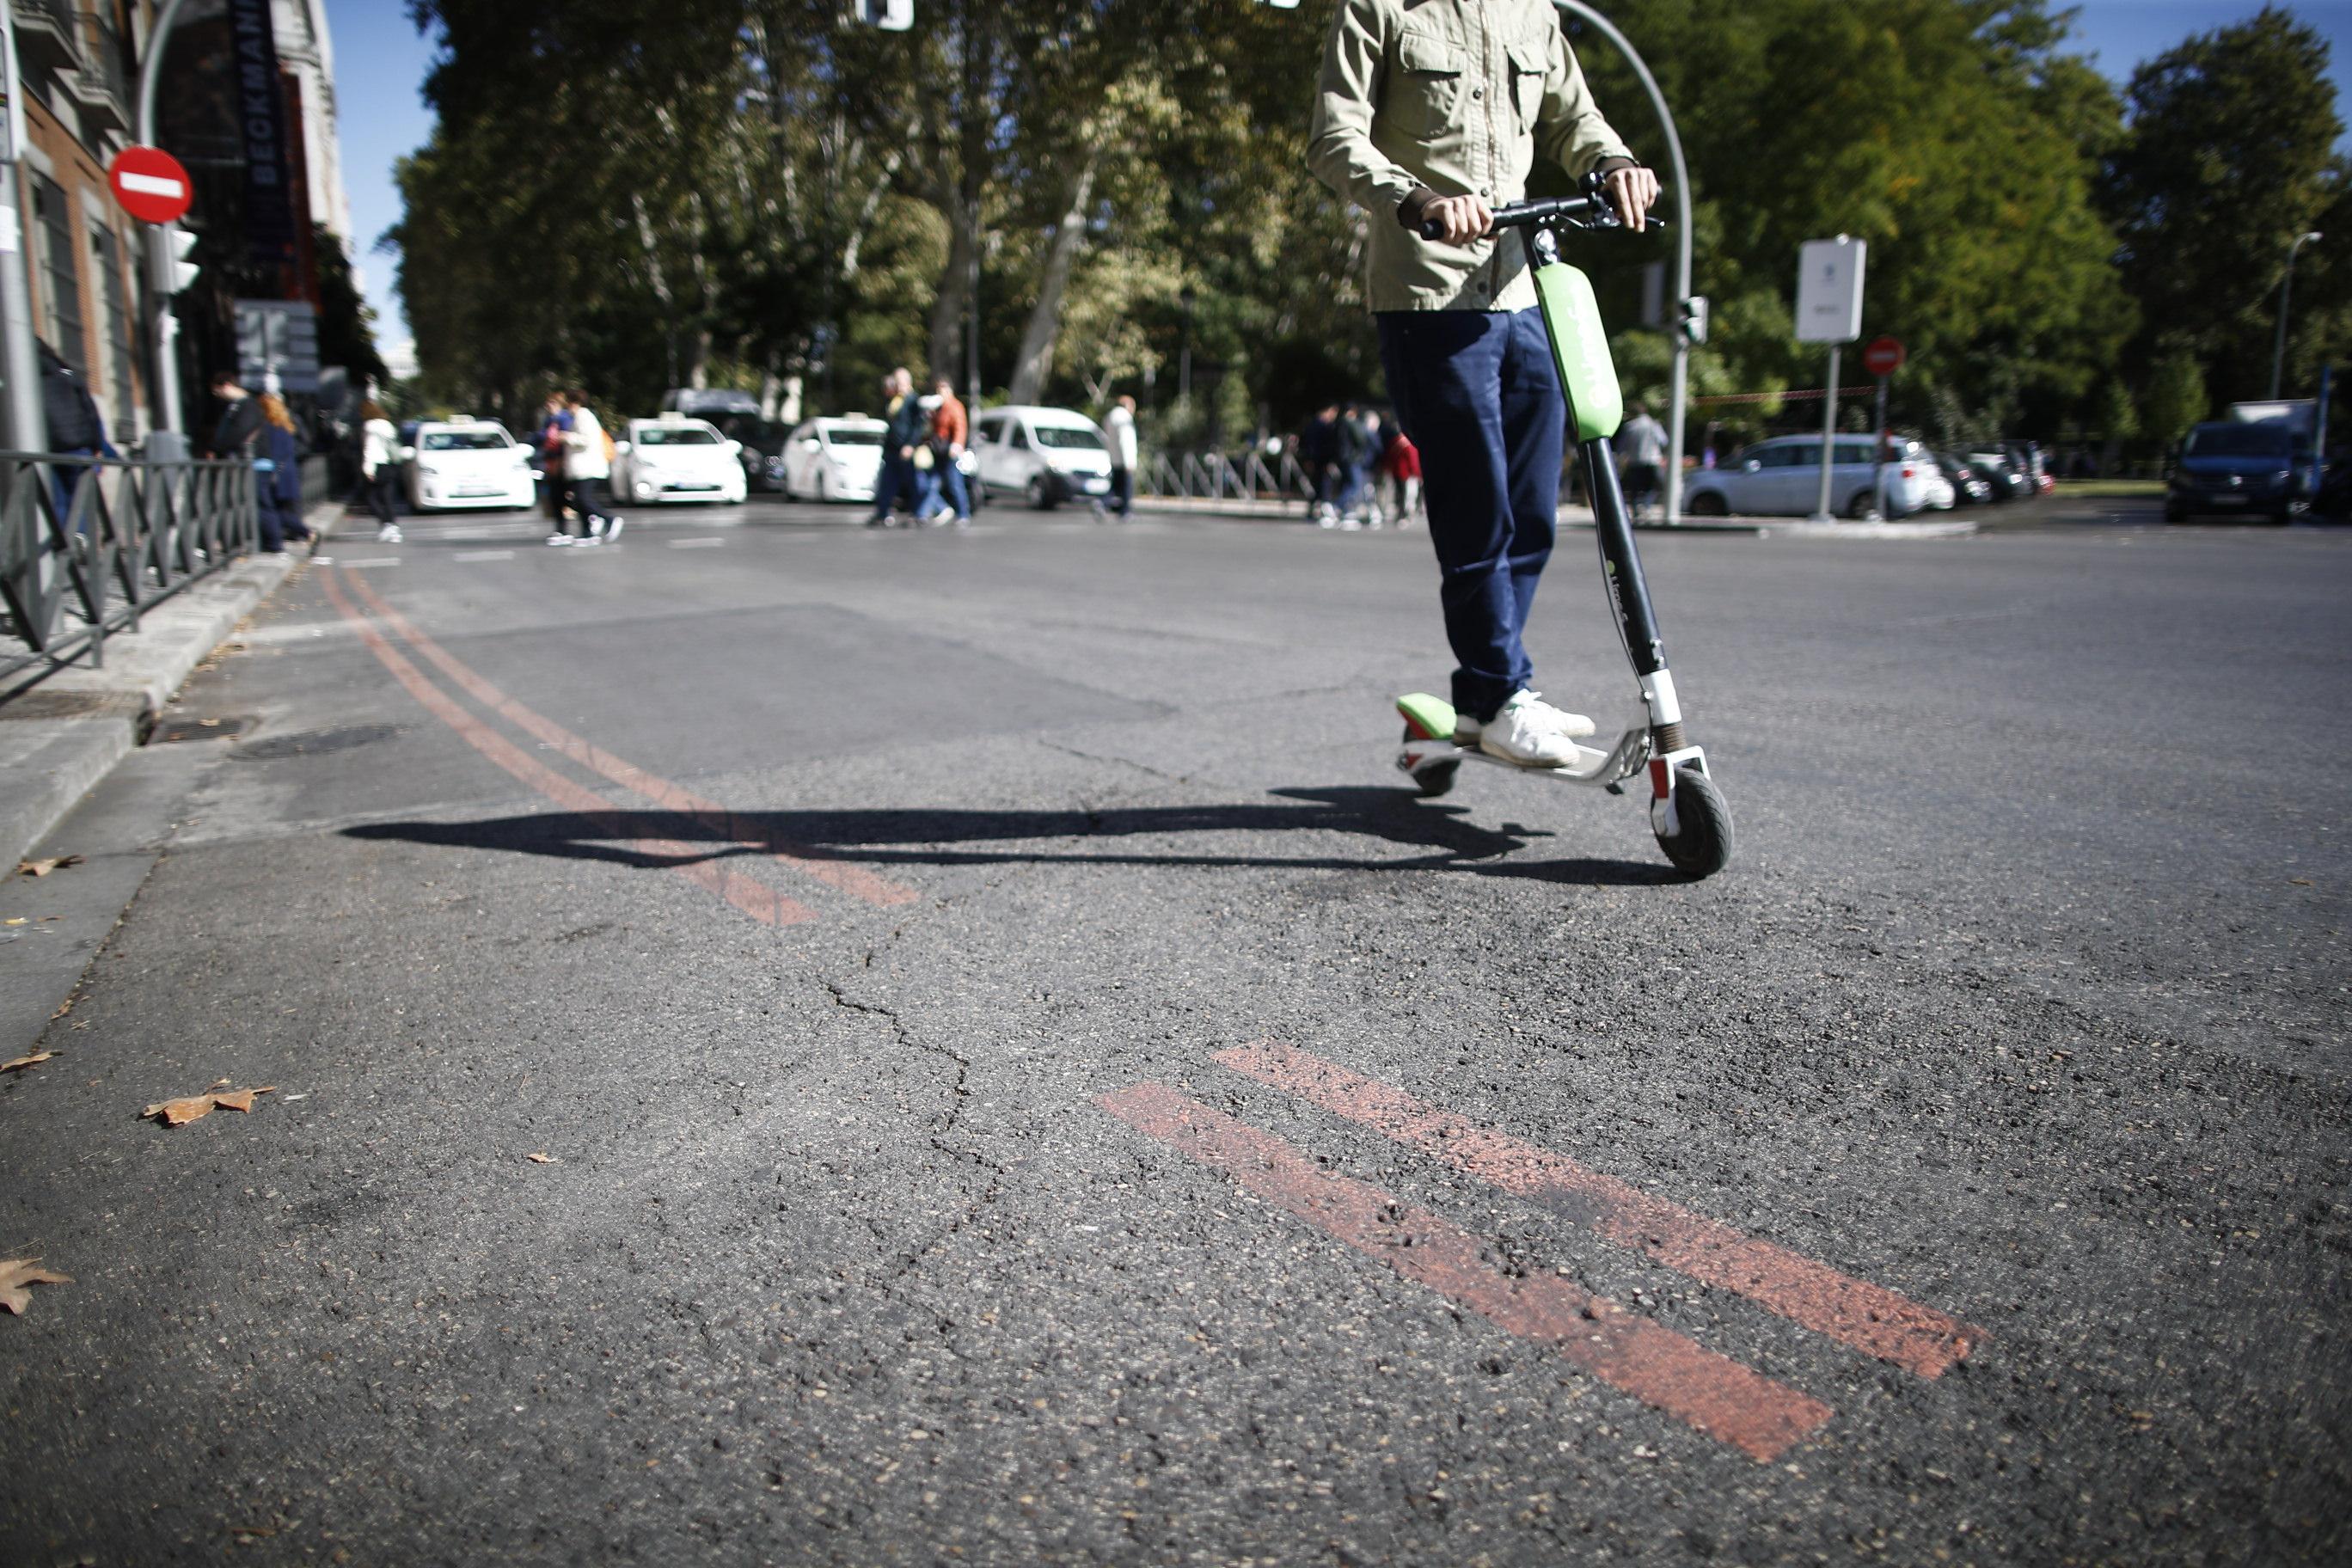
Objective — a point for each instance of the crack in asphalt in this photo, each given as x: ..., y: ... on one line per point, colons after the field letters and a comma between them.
x: 959, y: 1095
x: 1117, y: 761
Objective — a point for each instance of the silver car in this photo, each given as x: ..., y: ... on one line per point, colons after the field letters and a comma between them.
x: 1783, y: 478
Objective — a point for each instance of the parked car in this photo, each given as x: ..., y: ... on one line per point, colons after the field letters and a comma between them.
x: 1968, y: 486
x: 676, y: 459
x: 1048, y: 455
x: 1783, y: 478
x: 466, y: 462
x: 2008, y: 482
x: 2233, y: 467
x: 832, y: 459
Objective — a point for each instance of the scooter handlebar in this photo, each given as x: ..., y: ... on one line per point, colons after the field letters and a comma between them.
x: 1590, y: 210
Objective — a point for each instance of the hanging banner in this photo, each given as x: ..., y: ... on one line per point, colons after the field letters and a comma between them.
x: 269, y: 209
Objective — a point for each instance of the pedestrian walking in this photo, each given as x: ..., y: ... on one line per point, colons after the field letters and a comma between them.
x: 902, y: 418
x: 380, y: 467
x: 240, y: 417
x: 277, y: 476
x: 1121, y: 425
x: 587, y: 464
x: 1642, y: 440
x: 1401, y: 464
x: 950, y: 432
x: 1462, y: 346
x: 555, y: 424
x: 1318, y: 456
x: 75, y: 428
x: 1355, y: 456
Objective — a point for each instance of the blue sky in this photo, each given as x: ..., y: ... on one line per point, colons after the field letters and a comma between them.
x: 380, y: 66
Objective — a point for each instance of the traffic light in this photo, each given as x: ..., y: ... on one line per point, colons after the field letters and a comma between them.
x: 1694, y: 319
x: 891, y: 16
x: 178, y: 270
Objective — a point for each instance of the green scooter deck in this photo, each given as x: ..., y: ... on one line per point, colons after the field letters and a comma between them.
x: 1432, y: 716
x: 1581, y: 345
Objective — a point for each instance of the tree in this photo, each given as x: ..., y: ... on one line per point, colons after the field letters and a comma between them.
x: 2176, y: 395
x: 2229, y: 156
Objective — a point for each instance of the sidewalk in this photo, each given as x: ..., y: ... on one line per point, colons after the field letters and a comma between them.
x: 61, y: 737
x: 1937, y: 527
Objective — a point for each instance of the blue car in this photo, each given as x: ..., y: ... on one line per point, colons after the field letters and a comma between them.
x: 2231, y: 466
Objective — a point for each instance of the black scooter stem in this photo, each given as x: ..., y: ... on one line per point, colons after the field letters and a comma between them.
x: 1629, y: 591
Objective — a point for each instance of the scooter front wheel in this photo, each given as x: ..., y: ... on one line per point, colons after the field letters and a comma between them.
x: 1700, y: 845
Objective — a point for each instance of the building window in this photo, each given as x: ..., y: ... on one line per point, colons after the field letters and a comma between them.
x: 61, y: 280
x: 106, y: 255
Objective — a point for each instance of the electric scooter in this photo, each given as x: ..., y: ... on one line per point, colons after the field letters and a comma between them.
x: 1686, y: 811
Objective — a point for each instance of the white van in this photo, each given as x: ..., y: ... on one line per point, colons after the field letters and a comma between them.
x: 1048, y: 455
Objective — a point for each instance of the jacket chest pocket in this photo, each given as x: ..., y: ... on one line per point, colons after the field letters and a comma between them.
x: 1530, y: 64
x: 1426, y: 91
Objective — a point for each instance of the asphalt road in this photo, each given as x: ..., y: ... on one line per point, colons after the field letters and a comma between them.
x: 795, y: 1044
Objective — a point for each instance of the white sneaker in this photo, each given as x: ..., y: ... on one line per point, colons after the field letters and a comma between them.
x: 558, y: 539
x: 388, y: 534
x: 613, y: 526
x: 1527, y: 731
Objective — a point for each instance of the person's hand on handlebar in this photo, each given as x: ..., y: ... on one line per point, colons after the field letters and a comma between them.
x: 1461, y: 220
x: 1632, y: 190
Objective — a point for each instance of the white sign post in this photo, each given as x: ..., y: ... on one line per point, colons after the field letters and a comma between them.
x: 1828, y: 310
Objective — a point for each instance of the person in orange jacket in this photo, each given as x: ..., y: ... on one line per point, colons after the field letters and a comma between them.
x: 950, y: 433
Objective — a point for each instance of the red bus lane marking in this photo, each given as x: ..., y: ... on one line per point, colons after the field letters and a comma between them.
x: 1868, y: 1318
x: 1717, y: 1395
x: 854, y: 880
x: 754, y: 898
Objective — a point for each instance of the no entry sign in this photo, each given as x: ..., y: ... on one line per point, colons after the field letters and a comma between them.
x: 1882, y: 357
x: 151, y: 185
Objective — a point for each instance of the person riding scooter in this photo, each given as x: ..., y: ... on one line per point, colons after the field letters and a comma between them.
x: 1430, y: 113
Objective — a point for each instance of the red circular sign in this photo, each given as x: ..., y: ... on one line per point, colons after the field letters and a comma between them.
x: 151, y: 185
x: 1882, y: 357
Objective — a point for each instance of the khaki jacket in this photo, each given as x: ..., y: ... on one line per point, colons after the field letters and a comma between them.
x: 1454, y: 96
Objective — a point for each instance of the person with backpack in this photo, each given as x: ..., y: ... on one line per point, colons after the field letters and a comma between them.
x: 76, y: 428
x: 587, y: 464
x: 1401, y: 464
x: 555, y: 424
x: 277, y: 476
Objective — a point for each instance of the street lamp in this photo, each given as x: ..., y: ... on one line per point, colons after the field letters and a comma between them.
x: 2286, y: 288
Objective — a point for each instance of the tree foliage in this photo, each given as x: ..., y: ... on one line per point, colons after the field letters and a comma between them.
x: 635, y: 196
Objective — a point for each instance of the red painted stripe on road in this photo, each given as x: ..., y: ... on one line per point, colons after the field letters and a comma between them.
x: 754, y: 898
x: 1714, y: 1394
x: 1869, y: 1317
x: 854, y: 880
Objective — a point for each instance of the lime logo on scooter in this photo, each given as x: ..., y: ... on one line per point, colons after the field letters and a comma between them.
x: 1687, y: 813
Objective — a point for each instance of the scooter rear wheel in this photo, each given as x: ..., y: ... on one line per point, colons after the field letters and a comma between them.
x: 1701, y: 843
x: 1435, y: 779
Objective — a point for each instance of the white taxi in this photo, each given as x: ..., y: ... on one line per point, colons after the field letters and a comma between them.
x: 677, y: 459
x: 462, y: 461
x: 833, y: 459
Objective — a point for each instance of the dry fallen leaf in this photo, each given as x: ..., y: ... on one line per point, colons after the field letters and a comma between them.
x: 17, y: 921
x: 196, y: 1107
x: 16, y: 1273
x: 43, y: 867
x: 2300, y: 881
x: 20, y: 1063
x: 541, y: 1159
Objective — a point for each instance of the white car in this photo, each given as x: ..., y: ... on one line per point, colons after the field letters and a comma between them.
x: 833, y: 459
x: 1049, y: 455
x: 467, y: 462
x: 1783, y: 478
x: 675, y: 458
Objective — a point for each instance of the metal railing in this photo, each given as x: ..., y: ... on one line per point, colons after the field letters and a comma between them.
x: 89, y: 544
x: 1212, y: 476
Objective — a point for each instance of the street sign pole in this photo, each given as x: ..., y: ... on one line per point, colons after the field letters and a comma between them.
x: 27, y: 430
x: 1822, y: 512
x: 167, y: 443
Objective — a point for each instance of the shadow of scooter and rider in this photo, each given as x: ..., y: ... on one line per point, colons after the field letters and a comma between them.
x: 949, y: 835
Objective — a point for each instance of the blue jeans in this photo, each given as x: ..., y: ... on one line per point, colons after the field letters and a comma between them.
x: 1477, y: 392
x: 887, y: 481
x: 951, y: 482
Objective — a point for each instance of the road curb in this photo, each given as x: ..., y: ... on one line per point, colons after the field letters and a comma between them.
x: 60, y: 738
